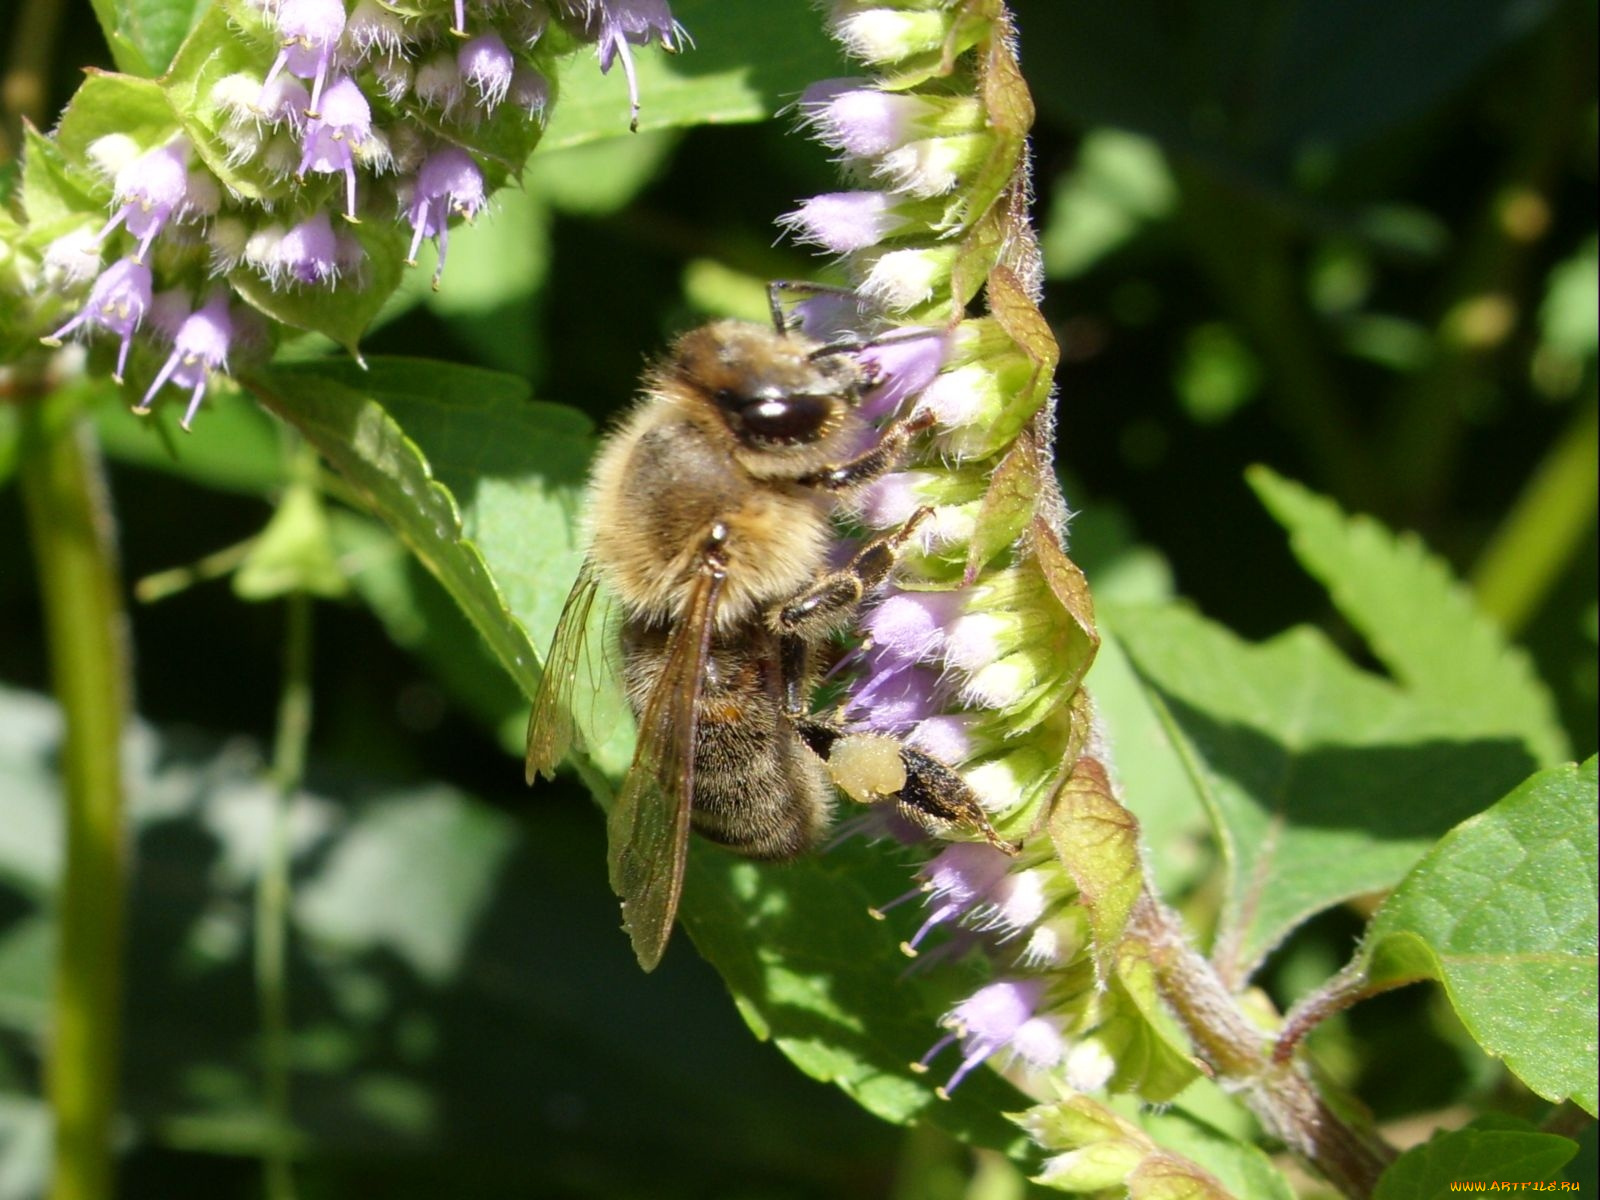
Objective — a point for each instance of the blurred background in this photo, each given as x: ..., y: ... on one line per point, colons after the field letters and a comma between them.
x: 1355, y: 240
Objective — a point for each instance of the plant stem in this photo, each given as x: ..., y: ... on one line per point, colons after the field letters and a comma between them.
x: 70, y: 525
x: 1537, y: 539
x: 272, y: 899
x: 1239, y: 1055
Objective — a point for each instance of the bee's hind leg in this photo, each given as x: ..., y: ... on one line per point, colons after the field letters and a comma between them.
x: 875, y: 768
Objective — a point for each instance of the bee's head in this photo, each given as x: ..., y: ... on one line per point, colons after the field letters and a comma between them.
x: 772, y: 390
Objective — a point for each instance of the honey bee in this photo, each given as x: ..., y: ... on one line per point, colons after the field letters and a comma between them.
x: 711, y: 523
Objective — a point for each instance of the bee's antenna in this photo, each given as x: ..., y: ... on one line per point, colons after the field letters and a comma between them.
x: 780, y: 322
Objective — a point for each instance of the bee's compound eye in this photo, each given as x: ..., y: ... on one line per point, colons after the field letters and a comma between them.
x: 787, y: 419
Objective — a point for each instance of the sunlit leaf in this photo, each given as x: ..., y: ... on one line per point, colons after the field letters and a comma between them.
x: 1503, y: 913
x: 1323, y: 782
x: 1490, y: 1150
x: 1419, y: 621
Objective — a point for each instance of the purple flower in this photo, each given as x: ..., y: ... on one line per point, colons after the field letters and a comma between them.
x: 310, y: 252
x: 438, y: 83
x: 899, y: 280
x: 861, y: 121
x: 72, y: 259
x: 530, y: 92
x: 999, y: 1017
x: 332, y: 138
x: 393, y: 77
x: 955, y: 881
x: 311, y: 29
x: 1017, y: 903
x: 199, y: 346
x: 150, y: 191
x: 961, y: 396
x: 448, y: 184
x: 889, y: 501
x: 911, y: 625
x: 893, y: 695
x: 614, y: 24
x: 932, y: 166
x: 945, y: 736
x: 118, y: 301
x: 900, y: 367
x: 373, y: 29
x: 486, y: 64
x: 283, y: 100
x: 841, y: 222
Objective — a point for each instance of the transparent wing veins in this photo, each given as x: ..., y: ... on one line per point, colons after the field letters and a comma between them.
x: 649, y: 823
x: 552, y: 729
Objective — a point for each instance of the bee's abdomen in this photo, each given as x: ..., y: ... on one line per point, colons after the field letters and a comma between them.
x: 758, y: 791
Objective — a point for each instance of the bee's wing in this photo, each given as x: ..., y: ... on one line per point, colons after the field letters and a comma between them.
x: 649, y: 823
x: 551, y: 728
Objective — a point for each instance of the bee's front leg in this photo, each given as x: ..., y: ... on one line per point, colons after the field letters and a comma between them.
x: 825, y: 605
x: 884, y: 457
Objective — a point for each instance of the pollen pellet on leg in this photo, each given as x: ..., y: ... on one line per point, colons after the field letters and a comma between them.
x: 867, y: 766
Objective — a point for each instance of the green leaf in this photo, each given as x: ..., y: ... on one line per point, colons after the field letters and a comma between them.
x: 1418, y: 619
x: 241, y: 450
x: 811, y: 969
x: 420, y: 617
x: 1244, y: 1171
x: 1322, y: 782
x: 717, y: 82
x: 343, y: 311
x: 108, y: 103
x: 335, y: 406
x: 1154, y: 782
x: 598, y: 178
x: 1490, y: 1150
x: 490, y: 295
x: 468, y: 472
x: 1097, y: 842
x: 294, y: 552
x: 153, y: 30
x: 1152, y: 1053
x: 1503, y: 913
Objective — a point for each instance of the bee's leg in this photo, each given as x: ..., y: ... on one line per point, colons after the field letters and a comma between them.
x: 879, y: 461
x: 933, y: 797
x: 777, y: 288
x: 824, y: 605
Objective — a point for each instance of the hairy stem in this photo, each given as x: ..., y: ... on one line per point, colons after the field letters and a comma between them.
x: 1239, y: 1054
x: 70, y: 524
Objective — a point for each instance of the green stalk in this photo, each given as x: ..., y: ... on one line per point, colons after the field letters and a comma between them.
x: 70, y: 524
x: 272, y: 900
x: 1544, y: 529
